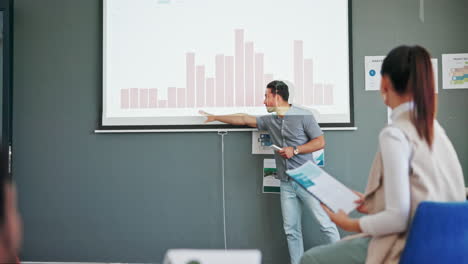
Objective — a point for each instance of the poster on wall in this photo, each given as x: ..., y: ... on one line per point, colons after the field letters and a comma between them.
x: 270, y: 183
x: 455, y: 71
x: 261, y: 143
x: 319, y: 157
x: 373, y: 65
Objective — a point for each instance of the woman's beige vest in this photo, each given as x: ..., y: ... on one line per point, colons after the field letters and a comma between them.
x: 435, y: 175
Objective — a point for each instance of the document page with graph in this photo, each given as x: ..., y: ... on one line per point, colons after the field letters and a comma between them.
x: 324, y: 187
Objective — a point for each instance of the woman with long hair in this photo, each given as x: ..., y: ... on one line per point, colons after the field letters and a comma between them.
x: 415, y: 162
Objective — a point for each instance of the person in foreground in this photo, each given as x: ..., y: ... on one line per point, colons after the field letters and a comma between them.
x: 10, y: 223
x: 298, y: 134
x: 415, y: 162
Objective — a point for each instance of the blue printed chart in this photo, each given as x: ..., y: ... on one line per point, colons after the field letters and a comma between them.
x: 324, y: 187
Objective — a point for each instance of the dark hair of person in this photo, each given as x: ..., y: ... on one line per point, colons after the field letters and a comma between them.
x: 410, y: 71
x: 279, y: 87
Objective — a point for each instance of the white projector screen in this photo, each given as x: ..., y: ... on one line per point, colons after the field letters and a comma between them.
x: 164, y: 60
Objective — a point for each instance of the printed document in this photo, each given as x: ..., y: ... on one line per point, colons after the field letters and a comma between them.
x: 324, y: 187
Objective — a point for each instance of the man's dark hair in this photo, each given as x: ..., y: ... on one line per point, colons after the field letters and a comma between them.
x: 279, y: 87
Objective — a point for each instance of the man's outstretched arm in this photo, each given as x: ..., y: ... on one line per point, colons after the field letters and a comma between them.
x: 235, y: 119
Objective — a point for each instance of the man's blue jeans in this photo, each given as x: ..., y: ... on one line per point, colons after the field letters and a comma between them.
x: 293, y: 198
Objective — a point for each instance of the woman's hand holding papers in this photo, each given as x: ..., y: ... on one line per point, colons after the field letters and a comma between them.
x: 362, y: 208
x: 342, y: 220
x: 345, y: 222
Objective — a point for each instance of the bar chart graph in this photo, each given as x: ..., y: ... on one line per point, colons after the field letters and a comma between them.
x: 165, y: 60
x: 238, y: 81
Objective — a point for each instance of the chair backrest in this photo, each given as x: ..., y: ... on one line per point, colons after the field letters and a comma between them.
x: 210, y: 256
x: 438, y: 234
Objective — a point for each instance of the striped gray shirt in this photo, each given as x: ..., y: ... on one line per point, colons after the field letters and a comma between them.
x: 296, y: 128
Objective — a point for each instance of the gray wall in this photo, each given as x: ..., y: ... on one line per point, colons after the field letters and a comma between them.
x: 129, y: 197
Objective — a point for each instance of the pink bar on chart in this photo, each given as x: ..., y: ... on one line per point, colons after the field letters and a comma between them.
x: 200, y: 84
x: 153, y: 98
x: 298, y: 72
x: 180, y: 97
x: 134, y: 98
x: 267, y: 78
x: 190, y: 78
x: 249, y: 74
x: 162, y: 103
x: 318, y: 94
x: 239, y: 61
x: 143, y: 98
x: 210, y: 96
x: 229, y: 84
x: 259, y: 80
x: 219, y: 75
x: 172, y: 97
x: 308, y: 82
x: 328, y: 94
x: 124, y: 98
